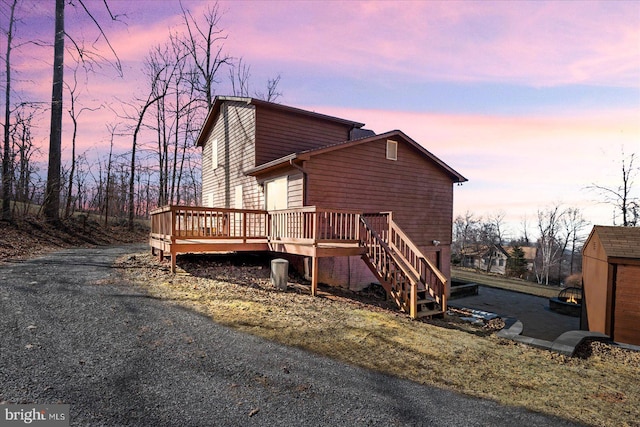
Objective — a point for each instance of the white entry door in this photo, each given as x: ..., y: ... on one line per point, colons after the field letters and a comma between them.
x: 276, y: 194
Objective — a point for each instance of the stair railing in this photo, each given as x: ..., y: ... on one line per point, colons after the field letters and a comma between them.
x: 431, y: 278
x: 421, y: 273
x: 394, y: 274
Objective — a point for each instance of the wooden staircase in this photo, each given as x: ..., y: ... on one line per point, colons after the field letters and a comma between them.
x: 409, y: 278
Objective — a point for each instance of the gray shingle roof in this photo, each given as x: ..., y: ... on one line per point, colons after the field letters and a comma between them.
x: 619, y: 242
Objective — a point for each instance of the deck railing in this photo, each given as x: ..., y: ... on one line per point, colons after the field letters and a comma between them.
x: 190, y: 222
x: 303, y: 225
x: 314, y: 225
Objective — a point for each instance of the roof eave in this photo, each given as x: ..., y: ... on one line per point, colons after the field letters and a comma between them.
x: 215, y: 108
x: 456, y: 177
x: 272, y: 165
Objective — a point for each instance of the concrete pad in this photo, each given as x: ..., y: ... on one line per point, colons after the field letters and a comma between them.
x: 533, y: 312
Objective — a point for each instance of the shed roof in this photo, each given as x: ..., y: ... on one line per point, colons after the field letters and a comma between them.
x: 305, y: 155
x: 219, y: 100
x: 618, y: 242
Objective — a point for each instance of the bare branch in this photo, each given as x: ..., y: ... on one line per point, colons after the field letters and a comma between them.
x: 118, y: 64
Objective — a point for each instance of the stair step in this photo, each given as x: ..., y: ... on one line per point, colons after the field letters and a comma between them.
x: 430, y: 313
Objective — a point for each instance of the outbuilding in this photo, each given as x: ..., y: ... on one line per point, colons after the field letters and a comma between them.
x: 611, y: 283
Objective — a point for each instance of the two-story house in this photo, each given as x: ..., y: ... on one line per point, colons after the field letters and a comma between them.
x: 324, y: 191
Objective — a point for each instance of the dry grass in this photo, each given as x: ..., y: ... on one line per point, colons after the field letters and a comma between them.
x: 601, y: 389
x: 509, y: 283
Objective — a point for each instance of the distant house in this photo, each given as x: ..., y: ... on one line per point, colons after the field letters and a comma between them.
x: 324, y: 192
x: 494, y: 258
x: 611, y: 283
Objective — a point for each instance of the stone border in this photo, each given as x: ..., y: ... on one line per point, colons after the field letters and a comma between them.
x: 565, y: 344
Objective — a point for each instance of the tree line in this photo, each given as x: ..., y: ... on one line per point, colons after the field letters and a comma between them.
x: 557, y: 242
x: 558, y: 238
x: 181, y: 78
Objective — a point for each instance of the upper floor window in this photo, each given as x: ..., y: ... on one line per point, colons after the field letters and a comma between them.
x: 214, y: 153
x: 392, y: 150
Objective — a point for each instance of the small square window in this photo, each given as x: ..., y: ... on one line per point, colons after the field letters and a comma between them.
x: 392, y: 150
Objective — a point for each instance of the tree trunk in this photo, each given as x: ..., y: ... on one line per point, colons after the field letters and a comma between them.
x: 67, y: 211
x: 6, y: 158
x: 52, y: 194
x: 106, y: 197
x: 133, y: 160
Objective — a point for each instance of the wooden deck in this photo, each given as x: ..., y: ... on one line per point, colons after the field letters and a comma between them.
x: 308, y: 231
x: 417, y: 286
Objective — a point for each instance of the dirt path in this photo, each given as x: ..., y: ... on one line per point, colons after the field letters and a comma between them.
x: 73, y: 332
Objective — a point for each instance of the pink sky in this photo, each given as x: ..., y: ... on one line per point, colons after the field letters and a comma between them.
x: 531, y: 101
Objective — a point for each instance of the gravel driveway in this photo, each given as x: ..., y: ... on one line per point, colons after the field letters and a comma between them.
x: 72, y: 332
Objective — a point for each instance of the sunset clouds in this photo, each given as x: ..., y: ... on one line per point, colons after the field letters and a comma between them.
x: 532, y: 101
x: 531, y: 43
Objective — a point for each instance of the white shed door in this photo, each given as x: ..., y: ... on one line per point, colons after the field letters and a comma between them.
x: 276, y: 194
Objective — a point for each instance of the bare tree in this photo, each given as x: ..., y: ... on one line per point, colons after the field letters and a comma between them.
x: 525, y: 231
x: 112, y: 131
x: 52, y: 195
x: 573, y: 224
x: 75, y: 115
x: 621, y: 197
x: 140, y: 117
x: 465, y: 230
x: 549, y: 222
x: 6, y: 157
x: 205, y: 44
x: 140, y: 112
x: 272, y: 94
x: 24, y: 149
x: 497, y: 221
x: 239, y: 75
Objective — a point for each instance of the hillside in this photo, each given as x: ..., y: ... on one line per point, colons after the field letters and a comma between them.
x: 32, y: 236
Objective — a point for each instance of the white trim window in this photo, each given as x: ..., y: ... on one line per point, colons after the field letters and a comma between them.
x: 214, y: 153
x: 237, y: 201
x: 392, y: 149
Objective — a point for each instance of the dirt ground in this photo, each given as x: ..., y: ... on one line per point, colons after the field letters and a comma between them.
x: 31, y: 236
x: 599, y: 387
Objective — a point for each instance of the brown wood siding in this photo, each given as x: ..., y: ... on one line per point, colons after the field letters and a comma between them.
x: 235, y: 133
x: 280, y: 133
x: 595, y: 273
x: 418, y: 192
x: 627, y: 305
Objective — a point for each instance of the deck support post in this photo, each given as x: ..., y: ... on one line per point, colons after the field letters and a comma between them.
x: 173, y: 262
x: 314, y: 275
x: 160, y: 255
